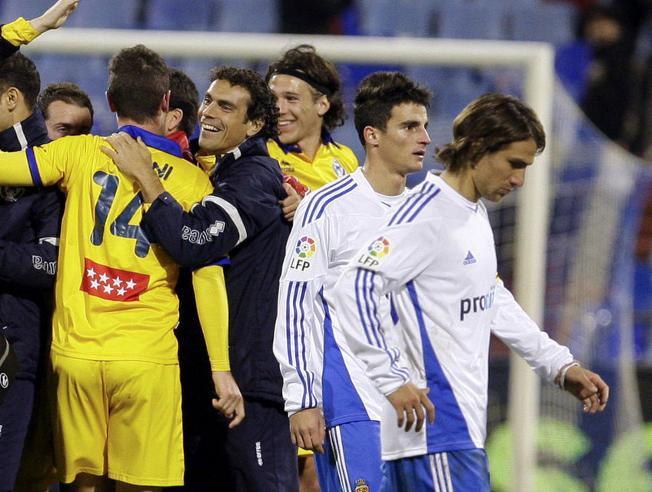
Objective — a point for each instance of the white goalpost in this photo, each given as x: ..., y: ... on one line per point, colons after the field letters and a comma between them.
x: 532, y: 201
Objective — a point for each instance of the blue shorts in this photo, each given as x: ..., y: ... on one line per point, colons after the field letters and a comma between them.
x: 459, y: 471
x: 351, y: 458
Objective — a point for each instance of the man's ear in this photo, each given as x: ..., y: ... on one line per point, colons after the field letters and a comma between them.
x: 173, y: 120
x: 165, y: 102
x: 323, y: 105
x: 12, y: 97
x: 109, y: 100
x: 371, y: 135
x: 254, y: 127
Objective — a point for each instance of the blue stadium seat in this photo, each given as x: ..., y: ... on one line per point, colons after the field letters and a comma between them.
x: 175, y: 15
x: 396, y: 17
x: 246, y: 16
x: 548, y: 22
x: 12, y: 9
x: 472, y: 20
x: 114, y: 14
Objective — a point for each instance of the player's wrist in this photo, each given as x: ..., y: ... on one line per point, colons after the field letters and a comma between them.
x: 563, y: 371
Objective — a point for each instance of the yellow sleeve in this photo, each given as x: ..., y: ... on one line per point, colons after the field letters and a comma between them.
x: 15, y: 169
x: 19, y: 32
x: 213, y: 310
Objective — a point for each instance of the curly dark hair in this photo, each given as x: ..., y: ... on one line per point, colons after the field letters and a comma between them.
x: 489, y: 124
x: 304, y: 58
x: 377, y: 95
x: 67, y: 92
x: 184, y: 96
x: 20, y: 72
x: 138, y: 80
x: 262, y: 106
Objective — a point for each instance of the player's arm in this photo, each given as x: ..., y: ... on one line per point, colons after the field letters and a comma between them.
x: 387, y: 262
x: 233, y: 212
x: 297, y: 330
x: 20, y: 31
x: 33, y: 264
x: 546, y: 357
x: 213, y: 311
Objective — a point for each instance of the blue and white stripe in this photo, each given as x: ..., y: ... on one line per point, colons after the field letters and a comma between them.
x: 335, y: 436
x: 326, y: 195
x: 409, y: 210
x: 441, y: 474
x: 368, y: 314
x: 295, y: 336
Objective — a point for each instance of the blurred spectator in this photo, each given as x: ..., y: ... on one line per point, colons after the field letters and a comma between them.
x: 298, y: 16
x: 597, y: 69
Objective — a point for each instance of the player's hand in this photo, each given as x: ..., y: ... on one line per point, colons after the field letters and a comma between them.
x: 409, y: 401
x: 308, y: 429
x: 229, y: 401
x: 55, y: 16
x: 134, y: 159
x: 588, y: 387
x: 291, y: 202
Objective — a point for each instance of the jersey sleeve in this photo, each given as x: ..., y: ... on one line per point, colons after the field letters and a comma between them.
x: 298, y: 334
x: 521, y: 334
x: 46, y: 165
x: 387, y: 262
x: 213, y: 311
x: 235, y: 210
x: 33, y: 264
x: 13, y: 35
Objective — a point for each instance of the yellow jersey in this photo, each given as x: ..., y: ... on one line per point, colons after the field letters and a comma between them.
x: 331, y: 161
x: 115, y: 291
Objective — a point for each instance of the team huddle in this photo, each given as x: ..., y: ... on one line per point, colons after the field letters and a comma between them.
x: 225, y: 306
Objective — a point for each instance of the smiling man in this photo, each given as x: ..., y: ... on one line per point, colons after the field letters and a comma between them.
x: 307, y: 89
x: 240, y: 219
x: 435, y: 254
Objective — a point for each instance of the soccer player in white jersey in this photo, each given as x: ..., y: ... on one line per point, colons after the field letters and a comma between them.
x: 436, y: 255
x: 324, y: 385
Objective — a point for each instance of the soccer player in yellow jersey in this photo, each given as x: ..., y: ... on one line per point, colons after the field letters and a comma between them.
x: 307, y: 89
x: 114, y: 354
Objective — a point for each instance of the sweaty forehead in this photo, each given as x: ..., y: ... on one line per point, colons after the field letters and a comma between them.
x: 409, y: 112
x: 222, y: 90
x: 287, y: 83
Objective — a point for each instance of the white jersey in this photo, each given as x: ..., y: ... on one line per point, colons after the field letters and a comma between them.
x: 318, y: 368
x: 436, y: 254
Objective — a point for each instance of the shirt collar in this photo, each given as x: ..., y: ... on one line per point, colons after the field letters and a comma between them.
x: 152, y: 140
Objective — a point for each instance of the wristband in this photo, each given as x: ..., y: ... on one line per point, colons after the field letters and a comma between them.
x: 564, y: 370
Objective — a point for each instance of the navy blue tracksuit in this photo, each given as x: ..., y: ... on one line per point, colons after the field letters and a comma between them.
x: 29, y: 226
x: 241, y: 219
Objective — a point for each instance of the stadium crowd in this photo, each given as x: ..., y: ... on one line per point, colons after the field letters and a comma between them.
x: 256, y: 290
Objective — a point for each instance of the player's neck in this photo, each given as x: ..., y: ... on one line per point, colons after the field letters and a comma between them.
x: 382, y: 180
x: 462, y: 182
x: 309, y: 145
x: 150, y: 125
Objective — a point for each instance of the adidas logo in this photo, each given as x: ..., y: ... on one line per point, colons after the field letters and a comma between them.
x: 469, y: 259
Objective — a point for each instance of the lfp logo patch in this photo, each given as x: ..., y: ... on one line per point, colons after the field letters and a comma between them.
x: 305, y: 247
x: 379, y: 248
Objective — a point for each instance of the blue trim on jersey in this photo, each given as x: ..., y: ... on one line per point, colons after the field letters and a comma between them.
x: 226, y: 261
x: 298, y: 343
x: 414, y: 204
x: 392, y: 310
x: 152, y: 140
x: 33, y: 168
x: 341, y: 400
x: 368, y: 313
x: 450, y: 431
x: 326, y: 194
x: 351, y: 458
x: 449, y: 471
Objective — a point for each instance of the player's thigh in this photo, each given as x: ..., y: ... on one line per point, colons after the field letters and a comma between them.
x: 145, y: 442
x: 260, y: 451
x: 461, y: 471
x: 79, y: 416
x: 352, y: 458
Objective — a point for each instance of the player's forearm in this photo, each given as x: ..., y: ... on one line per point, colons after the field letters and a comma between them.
x: 213, y: 311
